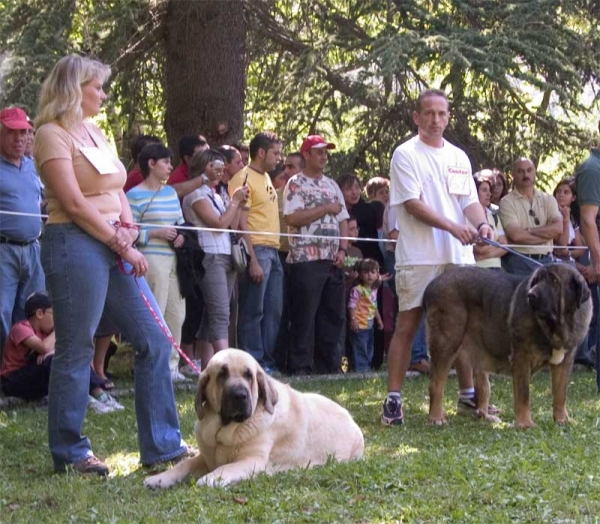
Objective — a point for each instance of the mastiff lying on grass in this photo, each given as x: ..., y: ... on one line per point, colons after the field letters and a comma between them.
x: 506, y: 325
x: 249, y: 423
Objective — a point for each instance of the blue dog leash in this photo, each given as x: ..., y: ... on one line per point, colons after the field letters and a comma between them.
x: 510, y: 250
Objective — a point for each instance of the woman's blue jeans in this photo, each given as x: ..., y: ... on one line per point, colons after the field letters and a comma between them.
x: 83, y: 280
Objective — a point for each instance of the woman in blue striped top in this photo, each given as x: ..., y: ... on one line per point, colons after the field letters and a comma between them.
x: 153, y: 202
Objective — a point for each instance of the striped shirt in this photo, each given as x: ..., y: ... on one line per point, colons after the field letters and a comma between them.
x: 163, y: 210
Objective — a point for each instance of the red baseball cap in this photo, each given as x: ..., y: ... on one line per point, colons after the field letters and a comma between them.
x: 315, y: 141
x: 14, y: 118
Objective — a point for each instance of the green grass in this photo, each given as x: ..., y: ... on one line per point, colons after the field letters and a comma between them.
x: 467, y: 471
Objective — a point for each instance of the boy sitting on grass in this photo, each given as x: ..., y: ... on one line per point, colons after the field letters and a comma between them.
x: 28, y: 353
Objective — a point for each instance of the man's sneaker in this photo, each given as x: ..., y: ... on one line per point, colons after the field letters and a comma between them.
x: 91, y: 465
x: 190, y: 371
x: 468, y: 407
x: 109, y: 401
x: 176, y: 376
x: 392, y: 412
x: 99, y: 407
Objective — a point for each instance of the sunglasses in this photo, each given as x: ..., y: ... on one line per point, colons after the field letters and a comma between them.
x: 536, y: 220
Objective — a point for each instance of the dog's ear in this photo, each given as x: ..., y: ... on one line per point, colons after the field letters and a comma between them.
x: 533, y: 292
x: 267, y: 392
x: 536, y: 277
x: 582, y: 291
x: 201, y: 394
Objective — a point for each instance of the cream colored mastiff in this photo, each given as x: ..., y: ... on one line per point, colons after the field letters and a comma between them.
x: 249, y: 423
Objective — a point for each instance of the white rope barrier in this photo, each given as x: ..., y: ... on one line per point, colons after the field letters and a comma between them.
x: 289, y: 235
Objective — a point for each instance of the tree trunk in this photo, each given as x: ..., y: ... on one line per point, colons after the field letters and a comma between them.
x: 205, y: 70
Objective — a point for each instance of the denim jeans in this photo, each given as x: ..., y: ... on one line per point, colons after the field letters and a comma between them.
x: 597, y: 333
x: 259, y: 307
x: 592, y: 334
x: 83, y: 281
x: 419, y: 348
x: 361, y: 344
x: 20, y: 275
x: 520, y: 266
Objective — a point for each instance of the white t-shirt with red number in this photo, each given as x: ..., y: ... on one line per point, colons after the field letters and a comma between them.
x: 442, y: 179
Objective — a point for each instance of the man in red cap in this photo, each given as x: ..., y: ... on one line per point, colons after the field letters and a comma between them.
x: 314, y: 205
x: 20, y: 192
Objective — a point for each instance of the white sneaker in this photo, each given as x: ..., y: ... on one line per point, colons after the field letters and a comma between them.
x: 188, y: 370
x: 176, y: 376
x: 99, y: 407
x: 107, y: 400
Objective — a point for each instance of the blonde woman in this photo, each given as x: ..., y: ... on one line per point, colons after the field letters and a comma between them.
x: 80, y: 245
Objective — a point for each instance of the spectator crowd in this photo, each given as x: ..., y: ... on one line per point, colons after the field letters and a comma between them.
x: 322, y: 300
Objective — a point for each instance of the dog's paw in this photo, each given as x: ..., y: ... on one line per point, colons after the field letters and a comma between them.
x: 437, y: 421
x: 561, y: 417
x: 160, y: 481
x: 485, y: 416
x: 211, y: 481
x: 524, y: 424
x: 154, y: 482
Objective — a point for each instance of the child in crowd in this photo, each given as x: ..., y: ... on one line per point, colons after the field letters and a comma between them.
x: 378, y: 189
x: 362, y: 312
x: 353, y: 254
x: 28, y: 354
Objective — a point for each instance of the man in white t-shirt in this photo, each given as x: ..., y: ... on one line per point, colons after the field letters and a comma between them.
x: 433, y: 195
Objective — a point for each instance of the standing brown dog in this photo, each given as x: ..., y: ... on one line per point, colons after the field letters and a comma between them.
x: 506, y: 325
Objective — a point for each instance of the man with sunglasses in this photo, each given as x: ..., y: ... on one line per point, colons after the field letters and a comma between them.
x: 531, y: 219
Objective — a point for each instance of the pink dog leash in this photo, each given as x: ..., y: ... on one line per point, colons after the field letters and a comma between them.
x: 160, y: 323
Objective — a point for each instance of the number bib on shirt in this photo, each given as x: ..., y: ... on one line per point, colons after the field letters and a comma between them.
x: 102, y: 164
x: 458, y: 180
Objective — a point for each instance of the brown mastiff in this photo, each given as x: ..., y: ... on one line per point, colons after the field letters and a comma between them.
x: 506, y: 325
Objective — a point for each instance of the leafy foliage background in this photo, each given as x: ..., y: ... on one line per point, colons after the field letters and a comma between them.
x: 522, y: 75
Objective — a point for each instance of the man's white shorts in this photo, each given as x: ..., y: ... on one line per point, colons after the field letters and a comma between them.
x: 411, y: 282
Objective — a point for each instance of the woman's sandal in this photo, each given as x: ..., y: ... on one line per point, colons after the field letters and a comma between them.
x: 107, y: 385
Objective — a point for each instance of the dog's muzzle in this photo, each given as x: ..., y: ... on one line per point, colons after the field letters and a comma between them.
x: 236, y: 404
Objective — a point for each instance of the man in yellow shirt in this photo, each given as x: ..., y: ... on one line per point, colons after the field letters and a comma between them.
x: 261, y: 287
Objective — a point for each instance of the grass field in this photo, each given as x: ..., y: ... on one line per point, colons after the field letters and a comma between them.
x: 467, y: 471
